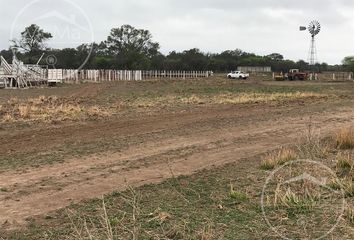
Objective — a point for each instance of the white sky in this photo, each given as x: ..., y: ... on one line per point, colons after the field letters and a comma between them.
x: 259, y: 26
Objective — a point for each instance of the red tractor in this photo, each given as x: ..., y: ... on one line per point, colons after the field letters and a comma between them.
x: 295, y: 74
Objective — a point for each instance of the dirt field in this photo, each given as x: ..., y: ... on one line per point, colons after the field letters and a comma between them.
x: 110, y: 136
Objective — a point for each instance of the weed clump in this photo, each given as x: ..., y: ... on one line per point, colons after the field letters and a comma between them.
x: 345, y: 138
x: 278, y: 158
x: 344, y: 162
x: 237, y: 195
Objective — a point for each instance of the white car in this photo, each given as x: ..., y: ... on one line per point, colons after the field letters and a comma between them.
x: 238, y: 74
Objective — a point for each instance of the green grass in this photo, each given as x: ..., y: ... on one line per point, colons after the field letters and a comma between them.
x: 222, y: 203
x: 201, y: 206
x: 129, y: 91
x: 182, y: 208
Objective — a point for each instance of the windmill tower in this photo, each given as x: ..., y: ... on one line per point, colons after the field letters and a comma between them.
x: 314, y: 29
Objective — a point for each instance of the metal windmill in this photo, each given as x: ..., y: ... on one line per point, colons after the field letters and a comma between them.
x: 314, y: 29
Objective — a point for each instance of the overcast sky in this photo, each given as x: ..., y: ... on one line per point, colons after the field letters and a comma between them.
x: 258, y: 26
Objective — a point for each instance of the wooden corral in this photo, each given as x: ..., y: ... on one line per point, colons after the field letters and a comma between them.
x: 69, y: 75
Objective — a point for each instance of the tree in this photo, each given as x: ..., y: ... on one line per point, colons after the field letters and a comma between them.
x: 194, y: 59
x: 67, y: 57
x: 276, y: 57
x: 32, y: 42
x: 86, y: 54
x: 302, y: 65
x: 229, y: 59
x: 7, y: 54
x: 348, y: 62
x: 133, y: 47
x: 33, y: 38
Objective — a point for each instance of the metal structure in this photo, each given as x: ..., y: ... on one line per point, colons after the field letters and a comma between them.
x: 19, y: 75
x: 314, y: 28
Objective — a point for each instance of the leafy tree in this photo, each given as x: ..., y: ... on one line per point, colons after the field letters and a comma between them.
x: 7, y: 54
x: 348, y: 62
x: 302, y: 65
x: 133, y: 47
x: 33, y: 38
x: 86, y: 53
x: 229, y: 59
x: 276, y: 57
x: 158, y: 62
x: 32, y: 42
x: 102, y: 62
x: 194, y: 59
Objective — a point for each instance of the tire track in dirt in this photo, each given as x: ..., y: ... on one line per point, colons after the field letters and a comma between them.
x: 46, y: 138
x: 151, y: 162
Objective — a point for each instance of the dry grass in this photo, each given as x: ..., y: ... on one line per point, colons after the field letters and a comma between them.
x: 349, y: 215
x: 312, y: 146
x: 262, y: 97
x: 291, y: 199
x: 278, y: 158
x: 345, y: 138
x: 108, y: 227
x: 348, y: 187
x: 345, y: 162
x: 222, y: 98
x: 48, y: 109
x: 86, y: 229
x: 345, y: 170
x: 207, y: 232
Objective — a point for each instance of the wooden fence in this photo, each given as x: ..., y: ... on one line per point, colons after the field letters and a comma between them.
x: 69, y: 75
x: 335, y: 76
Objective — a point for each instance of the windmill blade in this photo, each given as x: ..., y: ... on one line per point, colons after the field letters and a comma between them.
x: 314, y: 27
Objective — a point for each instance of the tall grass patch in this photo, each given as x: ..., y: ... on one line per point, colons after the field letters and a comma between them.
x: 345, y: 138
x: 278, y: 158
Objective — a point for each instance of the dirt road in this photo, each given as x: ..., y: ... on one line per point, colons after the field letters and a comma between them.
x: 161, y: 146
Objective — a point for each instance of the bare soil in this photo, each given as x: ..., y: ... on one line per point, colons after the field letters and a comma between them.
x: 137, y: 149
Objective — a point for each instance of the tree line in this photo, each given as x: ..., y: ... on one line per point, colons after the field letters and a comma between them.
x: 127, y: 47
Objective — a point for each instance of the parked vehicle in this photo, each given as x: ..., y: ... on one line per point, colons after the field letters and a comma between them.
x: 295, y: 74
x: 238, y: 75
